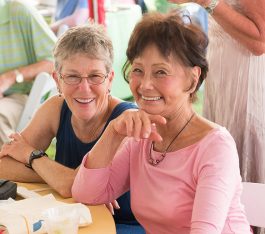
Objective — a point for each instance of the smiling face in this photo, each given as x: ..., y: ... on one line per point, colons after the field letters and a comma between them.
x: 86, y: 101
x: 161, y: 85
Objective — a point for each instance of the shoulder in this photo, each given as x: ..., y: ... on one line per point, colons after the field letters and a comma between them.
x: 51, y: 111
x: 53, y: 106
x: 21, y: 8
x: 217, y: 147
x: 118, y: 106
x: 45, y: 122
x: 30, y: 20
x: 218, y: 134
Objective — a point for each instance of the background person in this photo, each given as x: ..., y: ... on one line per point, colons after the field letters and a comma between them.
x: 70, y: 13
x: 76, y: 118
x: 234, y: 90
x: 182, y: 170
x: 25, y: 50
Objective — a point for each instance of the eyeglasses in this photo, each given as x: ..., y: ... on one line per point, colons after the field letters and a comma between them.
x: 93, y: 78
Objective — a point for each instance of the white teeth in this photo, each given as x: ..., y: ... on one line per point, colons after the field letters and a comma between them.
x: 84, y: 100
x: 151, y: 98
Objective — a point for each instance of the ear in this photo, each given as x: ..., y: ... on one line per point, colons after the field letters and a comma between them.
x: 111, y: 77
x: 55, y: 77
x: 195, y: 73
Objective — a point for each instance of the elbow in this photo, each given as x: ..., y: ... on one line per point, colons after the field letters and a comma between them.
x: 258, y: 49
x: 76, y: 195
x: 257, y: 52
x: 79, y: 195
x: 65, y: 189
x: 64, y: 192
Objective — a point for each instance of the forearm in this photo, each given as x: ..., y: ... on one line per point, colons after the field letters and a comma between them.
x: 16, y: 171
x: 98, y: 180
x: 59, y: 177
x: 31, y: 71
x: 248, y: 28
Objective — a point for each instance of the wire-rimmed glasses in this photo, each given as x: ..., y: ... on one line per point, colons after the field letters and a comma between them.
x: 93, y: 78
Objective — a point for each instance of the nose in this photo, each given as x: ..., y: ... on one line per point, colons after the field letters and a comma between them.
x: 147, y: 81
x: 84, y: 85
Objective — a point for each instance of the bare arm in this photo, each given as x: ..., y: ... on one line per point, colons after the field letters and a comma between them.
x: 56, y: 175
x: 247, y: 27
x: 11, y: 169
x: 37, y: 135
x: 29, y: 72
x: 44, y: 125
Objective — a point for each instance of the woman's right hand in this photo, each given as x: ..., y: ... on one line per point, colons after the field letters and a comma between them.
x: 138, y: 124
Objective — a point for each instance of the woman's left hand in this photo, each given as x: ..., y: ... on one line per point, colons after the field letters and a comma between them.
x: 112, y: 205
x: 17, y: 148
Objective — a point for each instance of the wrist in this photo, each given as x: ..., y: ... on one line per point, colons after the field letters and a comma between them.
x: 19, y: 78
x: 113, y: 133
x: 211, y: 6
x: 35, y: 154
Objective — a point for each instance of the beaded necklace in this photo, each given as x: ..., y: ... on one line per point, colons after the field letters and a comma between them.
x: 155, y: 162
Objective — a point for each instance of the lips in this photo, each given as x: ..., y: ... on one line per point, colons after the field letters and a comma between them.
x: 84, y: 100
x: 151, y: 98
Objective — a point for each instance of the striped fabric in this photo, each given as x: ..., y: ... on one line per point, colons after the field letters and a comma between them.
x: 25, y: 38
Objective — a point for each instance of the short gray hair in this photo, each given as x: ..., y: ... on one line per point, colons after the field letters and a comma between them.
x: 90, y: 40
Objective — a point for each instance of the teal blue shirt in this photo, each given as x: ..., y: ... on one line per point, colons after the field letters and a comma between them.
x: 25, y: 39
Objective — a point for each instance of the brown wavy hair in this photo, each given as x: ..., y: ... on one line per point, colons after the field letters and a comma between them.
x: 186, y: 42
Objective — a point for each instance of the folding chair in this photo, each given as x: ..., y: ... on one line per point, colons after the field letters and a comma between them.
x: 253, y: 198
x: 43, y: 87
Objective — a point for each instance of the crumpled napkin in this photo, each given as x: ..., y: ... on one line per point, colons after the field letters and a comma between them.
x: 26, y: 216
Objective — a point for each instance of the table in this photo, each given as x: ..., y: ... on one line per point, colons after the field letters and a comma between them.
x: 103, y: 222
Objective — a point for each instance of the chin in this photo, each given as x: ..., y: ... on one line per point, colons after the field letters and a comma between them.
x: 150, y: 110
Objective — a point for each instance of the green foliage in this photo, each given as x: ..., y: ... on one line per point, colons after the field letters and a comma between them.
x: 199, y: 103
x: 164, y: 6
x: 51, y: 150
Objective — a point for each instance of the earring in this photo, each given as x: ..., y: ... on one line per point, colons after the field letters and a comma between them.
x: 59, y: 92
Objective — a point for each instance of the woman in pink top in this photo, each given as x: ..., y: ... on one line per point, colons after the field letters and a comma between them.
x: 182, y: 170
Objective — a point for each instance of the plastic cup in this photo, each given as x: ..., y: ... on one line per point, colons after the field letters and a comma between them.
x: 61, y: 220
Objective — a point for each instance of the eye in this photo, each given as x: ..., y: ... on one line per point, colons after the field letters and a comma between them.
x: 136, y: 72
x: 96, y: 77
x: 72, y: 77
x: 160, y: 74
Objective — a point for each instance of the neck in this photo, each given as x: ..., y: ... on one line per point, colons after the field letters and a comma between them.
x: 175, y: 123
x: 90, y: 130
x: 174, y: 130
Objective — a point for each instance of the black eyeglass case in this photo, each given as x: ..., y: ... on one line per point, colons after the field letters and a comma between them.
x: 8, y: 189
